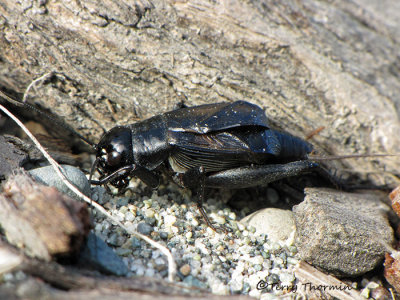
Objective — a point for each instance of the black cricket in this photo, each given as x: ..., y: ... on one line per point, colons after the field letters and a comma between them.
x: 222, y: 145
x: 213, y: 145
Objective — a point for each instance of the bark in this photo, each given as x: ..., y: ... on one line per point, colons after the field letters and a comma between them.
x: 62, y: 282
x: 318, y: 285
x: 309, y: 64
x: 42, y: 221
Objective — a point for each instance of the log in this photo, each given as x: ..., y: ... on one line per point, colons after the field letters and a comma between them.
x: 66, y: 282
x: 309, y: 64
x: 41, y: 220
x: 318, y: 285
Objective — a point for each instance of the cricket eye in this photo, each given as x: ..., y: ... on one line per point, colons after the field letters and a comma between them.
x: 113, y: 158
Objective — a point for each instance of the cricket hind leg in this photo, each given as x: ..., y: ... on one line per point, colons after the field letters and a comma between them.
x: 258, y: 175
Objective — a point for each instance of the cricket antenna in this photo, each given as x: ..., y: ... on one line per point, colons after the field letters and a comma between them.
x: 31, y: 107
x: 335, y: 157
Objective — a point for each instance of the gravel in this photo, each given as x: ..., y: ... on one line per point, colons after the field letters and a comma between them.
x: 226, y: 264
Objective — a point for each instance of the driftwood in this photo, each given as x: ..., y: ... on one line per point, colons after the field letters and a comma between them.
x: 62, y: 282
x: 41, y: 220
x: 309, y: 64
x: 318, y: 285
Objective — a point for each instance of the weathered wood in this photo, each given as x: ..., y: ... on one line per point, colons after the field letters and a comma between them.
x: 61, y: 282
x: 40, y: 220
x: 309, y: 63
x: 9, y: 258
x: 10, y: 158
x: 70, y: 278
x: 317, y: 285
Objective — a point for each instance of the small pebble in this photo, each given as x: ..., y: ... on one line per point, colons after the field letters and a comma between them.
x: 273, y: 278
x: 192, y: 281
x: 195, y: 223
x: 150, y: 213
x: 219, y: 288
x: 150, y: 221
x: 147, y: 203
x: 257, y: 268
x: 219, y: 219
x: 135, y: 242
x: 286, y: 278
x: 144, y: 228
x: 365, y: 293
x: 236, y: 284
x: 164, y: 235
x: 189, y: 235
x: 185, y: 270
x: 129, y: 216
x: 123, y: 252
x: 169, y: 220
x: 246, y: 288
x: 273, y: 196
x: 197, y: 257
x: 122, y: 202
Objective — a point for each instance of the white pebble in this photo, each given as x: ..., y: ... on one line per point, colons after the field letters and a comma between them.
x: 199, y: 245
x: 365, y: 293
x: 219, y: 219
x: 210, y: 231
x: 195, y: 222
x: 232, y: 216
x: 292, y: 261
x: 266, y: 264
x: 174, y: 229
x: 286, y: 278
x: 150, y: 213
x: 218, y: 288
x: 236, y: 284
x: 129, y: 216
x: 278, y: 261
x: 169, y: 220
x: 257, y: 260
x: 208, y: 268
x: 240, y: 226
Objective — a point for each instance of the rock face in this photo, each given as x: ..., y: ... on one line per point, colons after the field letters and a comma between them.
x: 343, y: 233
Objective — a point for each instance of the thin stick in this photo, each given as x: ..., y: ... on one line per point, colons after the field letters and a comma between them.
x: 98, y: 207
x: 49, y: 117
x: 32, y: 84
